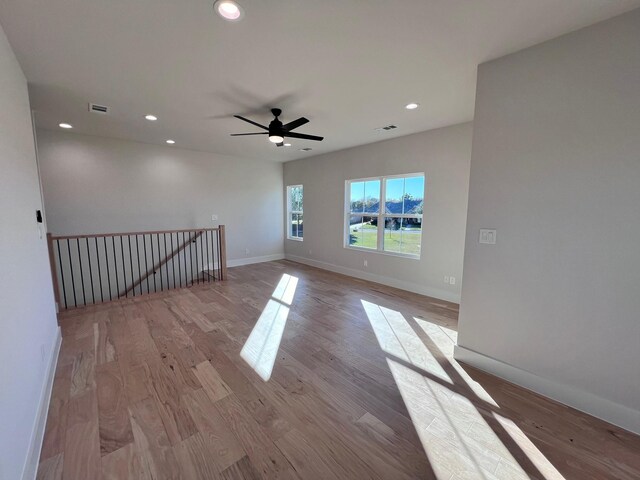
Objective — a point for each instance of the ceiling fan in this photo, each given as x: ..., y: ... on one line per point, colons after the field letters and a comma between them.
x: 277, y: 131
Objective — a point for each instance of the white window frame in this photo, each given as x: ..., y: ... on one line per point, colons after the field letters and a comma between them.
x: 290, y: 212
x: 381, y: 215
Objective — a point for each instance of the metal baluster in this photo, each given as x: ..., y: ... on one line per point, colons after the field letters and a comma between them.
x: 153, y: 264
x: 146, y: 263
x: 139, y: 274
x: 184, y: 254
x: 73, y: 281
x: 131, y: 265
x: 173, y: 263
x: 106, y: 256
x: 124, y: 269
x: 64, y: 290
x: 166, y: 265
x: 179, y: 268
x: 160, y: 258
x: 206, y: 247
x: 99, y: 269
x: 115, y: 264
x: 93, y: 295
x: 84, y: 298
x: 195, y: 240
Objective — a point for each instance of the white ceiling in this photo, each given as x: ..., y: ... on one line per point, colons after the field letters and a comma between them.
x: 348, y: 65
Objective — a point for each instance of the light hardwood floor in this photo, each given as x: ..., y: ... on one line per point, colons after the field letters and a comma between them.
x: 286, y: 371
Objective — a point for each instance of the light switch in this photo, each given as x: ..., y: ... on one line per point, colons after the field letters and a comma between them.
x: 487, y: 236
x: 214, y: 218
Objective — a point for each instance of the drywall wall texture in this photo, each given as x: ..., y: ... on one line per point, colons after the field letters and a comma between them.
x: 99, y: 185
x: 443, y: 155
x: 556, y: 170
x: 27, y: 312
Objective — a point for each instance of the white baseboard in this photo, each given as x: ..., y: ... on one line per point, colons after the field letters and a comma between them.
x: 37, y: 434
x: 372, y: 277
x: 620, y: 415
x: 238, y: 262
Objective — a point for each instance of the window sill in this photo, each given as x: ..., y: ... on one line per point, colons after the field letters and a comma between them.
x: 390, y: 254
x: 295, y: 239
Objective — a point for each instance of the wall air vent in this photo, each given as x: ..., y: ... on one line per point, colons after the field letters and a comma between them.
x: 386, y: 128
x: 101, y: 109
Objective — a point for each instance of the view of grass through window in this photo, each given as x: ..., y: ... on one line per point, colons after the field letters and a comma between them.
x: 399, y: 224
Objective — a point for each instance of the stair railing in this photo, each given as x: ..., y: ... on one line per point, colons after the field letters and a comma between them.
x: 98, y: 268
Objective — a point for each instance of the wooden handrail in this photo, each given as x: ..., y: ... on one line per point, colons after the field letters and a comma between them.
x: 122, y: 234
x: 52, y: 264
x: 166, y: 259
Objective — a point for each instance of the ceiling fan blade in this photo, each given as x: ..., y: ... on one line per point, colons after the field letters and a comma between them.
x: 303, y: 136
x: 252, y: 122
x: 243, y: 134
x: 295, y: 124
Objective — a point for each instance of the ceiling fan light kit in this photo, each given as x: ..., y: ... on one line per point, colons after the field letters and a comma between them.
x: 276, y: 131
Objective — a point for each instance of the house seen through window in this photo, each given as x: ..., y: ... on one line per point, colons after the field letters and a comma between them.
x: 393, y: 225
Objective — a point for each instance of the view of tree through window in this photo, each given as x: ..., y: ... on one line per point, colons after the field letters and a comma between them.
x: 294, y: 212
x: 397, y: 228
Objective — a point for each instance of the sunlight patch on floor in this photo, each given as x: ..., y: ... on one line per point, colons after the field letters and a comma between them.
x: 444, y: 338
x: 261, y: 348
x: 462, y: 434
x: 397, y: 338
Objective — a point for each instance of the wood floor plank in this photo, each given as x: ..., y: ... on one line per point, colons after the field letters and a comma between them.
x: 243, y: 469
x: 176, y: 419
x: 82, y: 451
x: 56, y: 427
x: 222, y: 444
x: 83, y: 373
x: 151, y: 440
x: 113, y: 415
x: 51, y: 468
x: 124, y: 464
x: 211, y: 382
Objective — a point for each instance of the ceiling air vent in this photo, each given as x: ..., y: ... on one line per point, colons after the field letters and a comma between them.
x: 101, y: 109
x: 387, y: 128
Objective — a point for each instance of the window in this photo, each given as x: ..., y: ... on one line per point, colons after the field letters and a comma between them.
x: 294, y: 212
x: 392, y: 226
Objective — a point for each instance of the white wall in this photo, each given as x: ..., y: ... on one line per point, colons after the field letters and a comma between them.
x: 99, y: 185
x: 443, y: 155
x: 27, y: 315
x: 555, y: 304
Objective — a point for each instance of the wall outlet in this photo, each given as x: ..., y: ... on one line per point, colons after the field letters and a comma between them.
x: 246, y: 251
x: 310, y: 251
x: 452, y: 280
x: 366, y: 264
x: 487, y: 236
x: 446, y: 279
x: 214, y: 217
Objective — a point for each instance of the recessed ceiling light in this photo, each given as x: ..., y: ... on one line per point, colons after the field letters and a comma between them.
x: 65, y: 125
x: 171, y: 142
x: 228, y: 10
x: 151, y: 118
x: 287, y: 144
x: 411, y: 106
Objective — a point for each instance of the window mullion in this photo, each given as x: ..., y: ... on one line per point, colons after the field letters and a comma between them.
x: 381, y: 214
